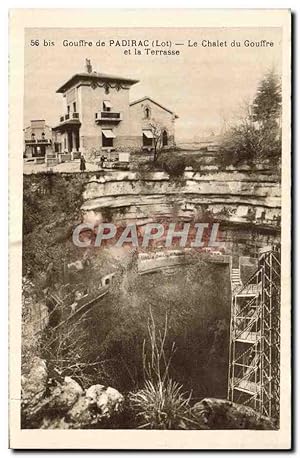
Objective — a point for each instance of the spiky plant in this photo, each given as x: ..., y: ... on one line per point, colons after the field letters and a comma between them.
x: 161, y: 403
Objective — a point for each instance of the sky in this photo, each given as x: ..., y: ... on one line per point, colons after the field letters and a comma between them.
x: 204, y: 86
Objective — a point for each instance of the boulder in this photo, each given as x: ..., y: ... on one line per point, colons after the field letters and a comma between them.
x: 108, y: 400
x: 71, y: 408
x: 213, y: 413
x: 115, y: 400
x: 66, y: 394
x: 81, y: 414
x: 93, y: 392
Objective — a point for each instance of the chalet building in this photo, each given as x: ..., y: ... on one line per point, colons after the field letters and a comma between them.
x: 98, y: 118
x: 145, y: 115
x: 38, y: 142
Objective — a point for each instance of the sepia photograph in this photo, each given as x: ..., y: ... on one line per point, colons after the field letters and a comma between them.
x: 152, y: 172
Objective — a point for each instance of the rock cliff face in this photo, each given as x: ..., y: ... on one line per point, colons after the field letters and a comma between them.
x: 231, y: 195
x: 236, y: 198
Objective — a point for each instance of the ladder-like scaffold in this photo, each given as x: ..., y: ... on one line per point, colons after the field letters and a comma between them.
x: 254, y: 356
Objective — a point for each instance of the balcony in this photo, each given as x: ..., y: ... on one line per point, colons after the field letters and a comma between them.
x: 72, y: 118
x: 108, y: 116
x: 34, y: 141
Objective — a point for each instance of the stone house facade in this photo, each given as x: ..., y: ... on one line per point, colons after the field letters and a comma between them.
x: 37, y: 141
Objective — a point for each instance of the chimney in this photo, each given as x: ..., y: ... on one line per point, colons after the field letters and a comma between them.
x: 88, y: 66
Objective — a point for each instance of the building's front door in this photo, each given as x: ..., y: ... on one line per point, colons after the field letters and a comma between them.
x: 39, y: 151
x: 70, y: 141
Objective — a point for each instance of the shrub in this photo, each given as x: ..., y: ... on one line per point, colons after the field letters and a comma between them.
x: 173, y: 165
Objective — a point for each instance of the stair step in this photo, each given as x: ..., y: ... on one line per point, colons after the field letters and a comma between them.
x: 246, y: 386
x: 247, y: 336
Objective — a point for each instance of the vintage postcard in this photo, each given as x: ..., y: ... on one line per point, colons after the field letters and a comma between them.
x: 150, y: 229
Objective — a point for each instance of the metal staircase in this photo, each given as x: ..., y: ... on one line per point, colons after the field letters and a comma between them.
x: 254, y: 355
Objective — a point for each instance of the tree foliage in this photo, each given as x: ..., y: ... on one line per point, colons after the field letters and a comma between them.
x: 257, y: 137
x: 266, y: 105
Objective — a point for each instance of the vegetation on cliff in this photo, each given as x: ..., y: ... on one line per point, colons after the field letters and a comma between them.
x: 51, y: 209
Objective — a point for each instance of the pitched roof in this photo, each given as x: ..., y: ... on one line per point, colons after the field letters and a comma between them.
x: 94, y: 76
x: 156, y: 103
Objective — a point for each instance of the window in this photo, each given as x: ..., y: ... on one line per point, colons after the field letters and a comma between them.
x: 68, y: 108
x: 74, y: 107
x: 147, y: 112
x: 107, y: 138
